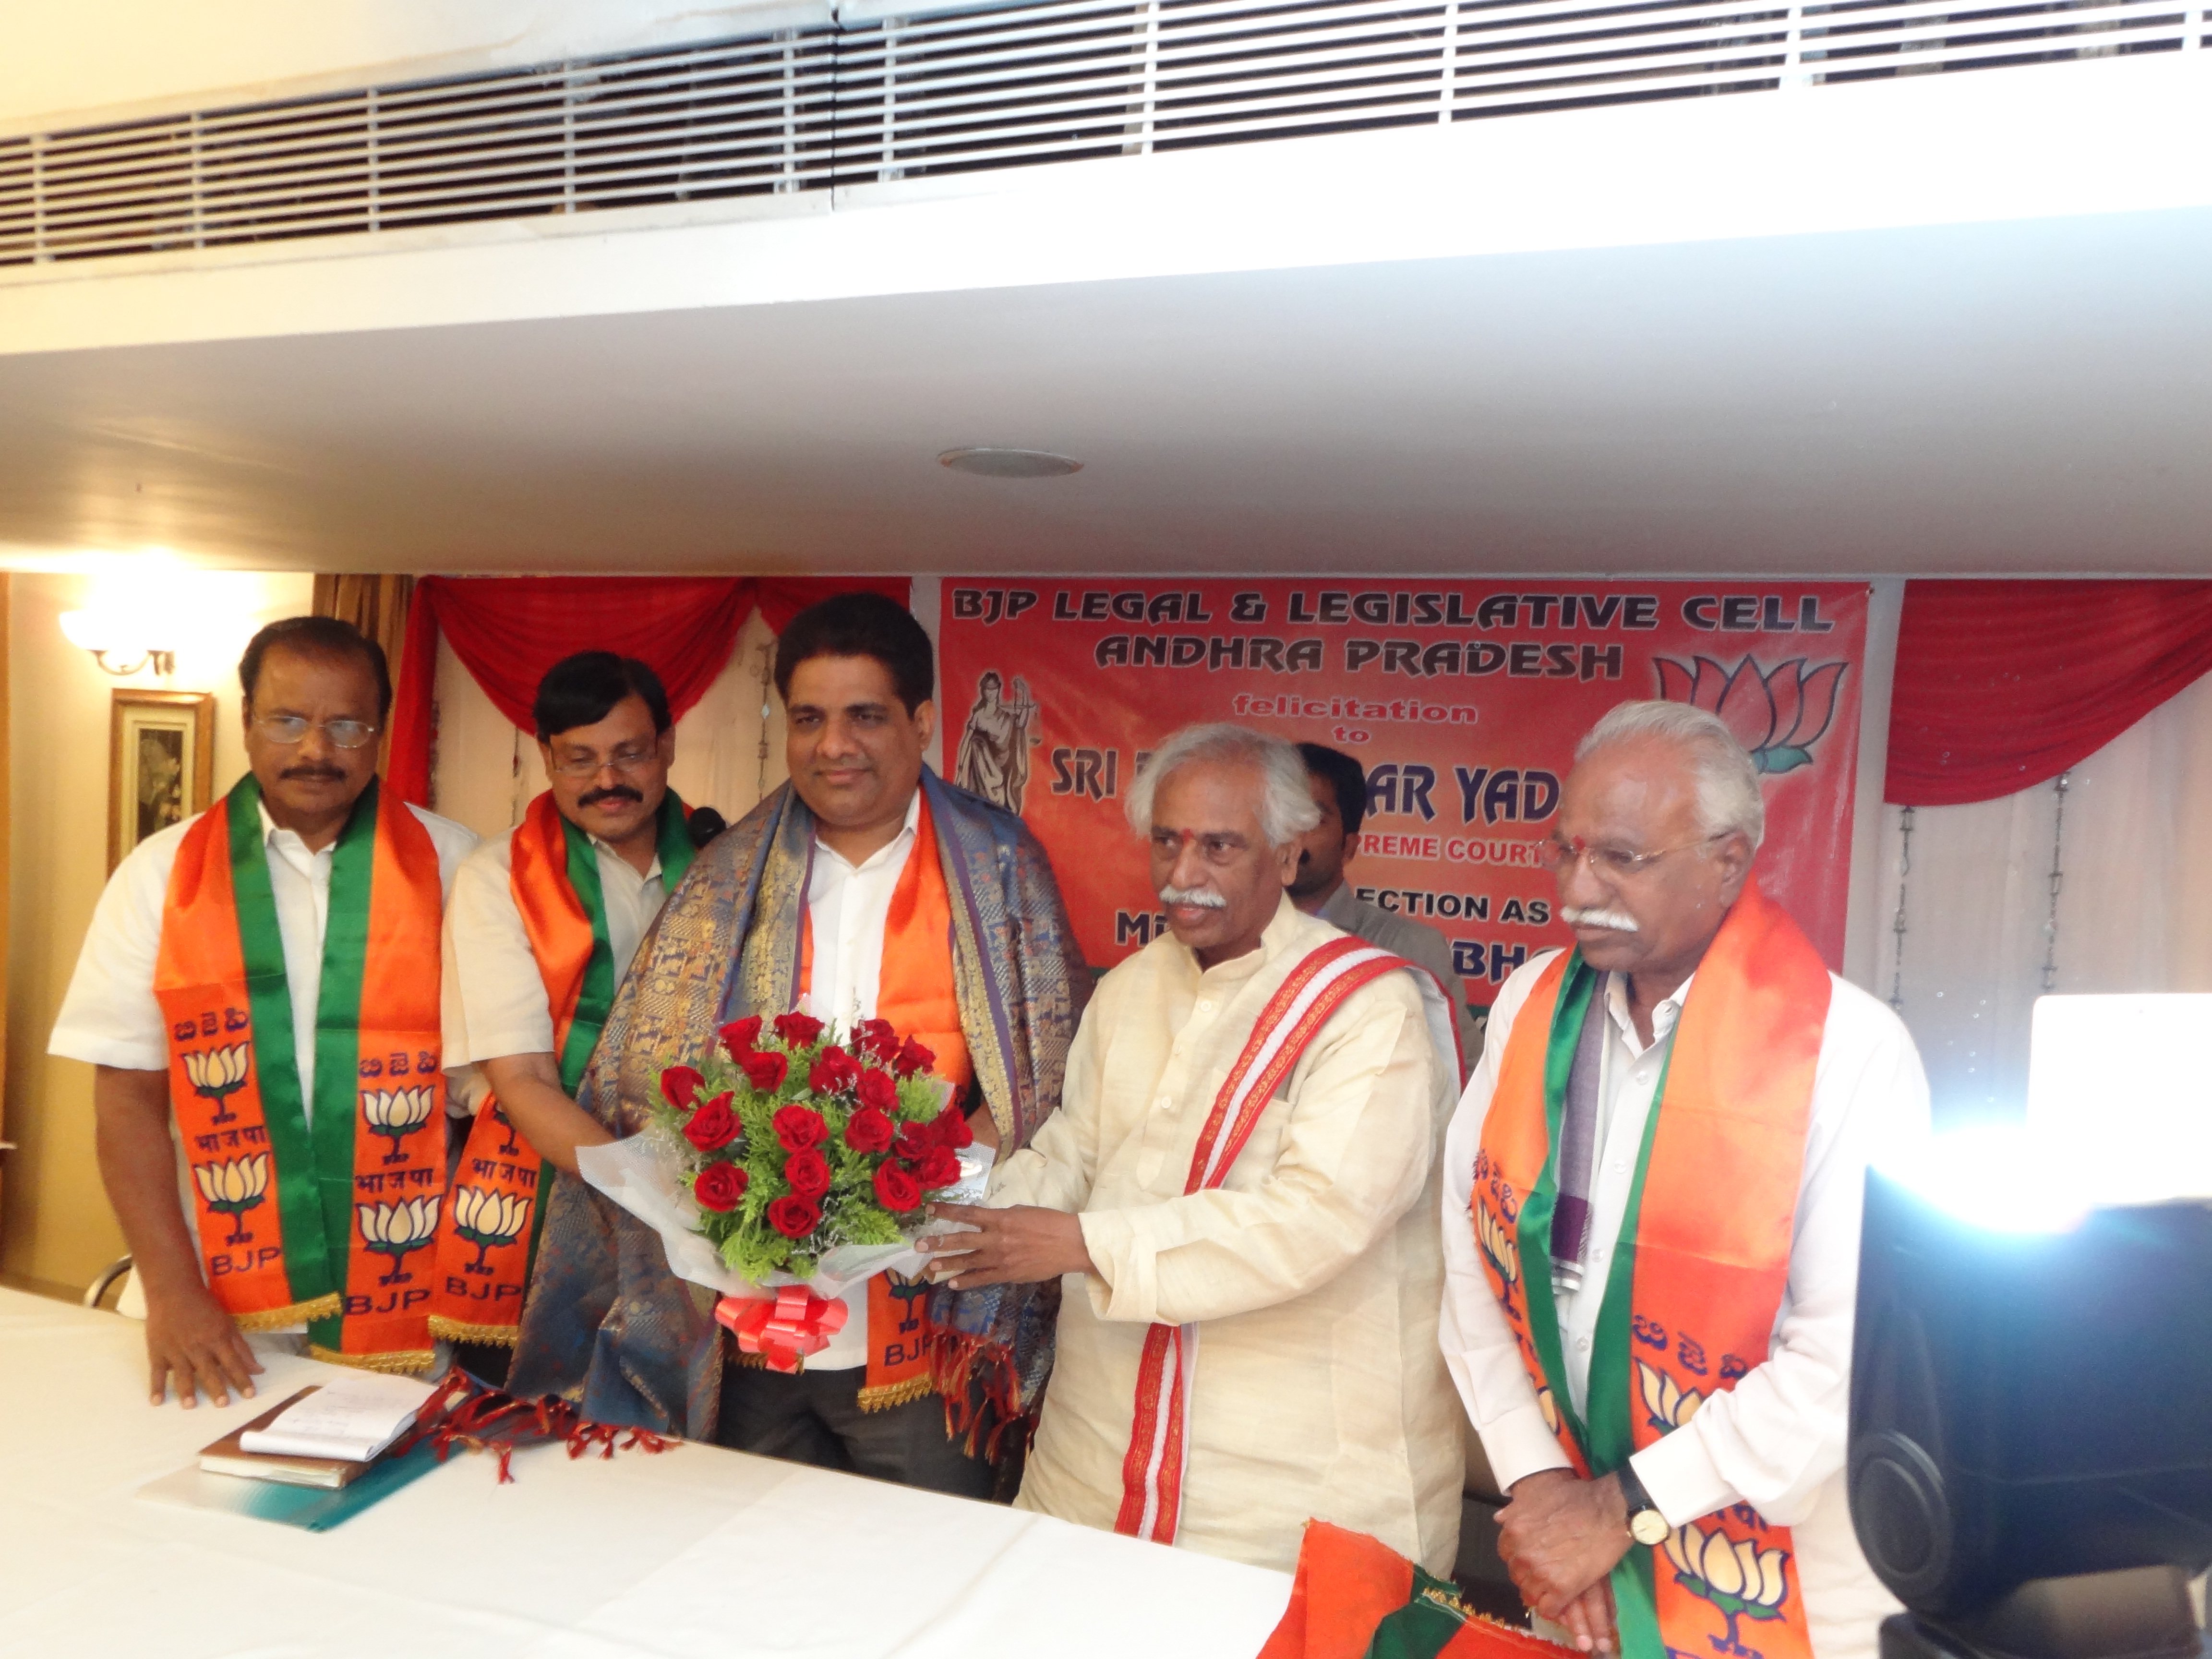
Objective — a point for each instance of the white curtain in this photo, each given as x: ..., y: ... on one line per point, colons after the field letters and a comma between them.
x: 487, y: 771
x: 2134, y: 909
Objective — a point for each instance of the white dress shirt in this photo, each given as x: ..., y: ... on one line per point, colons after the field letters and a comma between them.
x: 496, y: 1000
x: 1775, y: 1440
x: 847, y: 906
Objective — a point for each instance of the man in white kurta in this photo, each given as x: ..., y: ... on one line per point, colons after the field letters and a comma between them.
x: 1316, y: 1392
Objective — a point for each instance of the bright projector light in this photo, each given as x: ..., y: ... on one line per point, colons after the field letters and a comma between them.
x: 2117, y: 1084
x: 1999, y: 1177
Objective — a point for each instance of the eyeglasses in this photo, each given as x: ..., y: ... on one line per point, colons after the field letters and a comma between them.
x: 289, y: 729
x: 623, y: 760
x: 1220, y: 849
x: 1609, y: 863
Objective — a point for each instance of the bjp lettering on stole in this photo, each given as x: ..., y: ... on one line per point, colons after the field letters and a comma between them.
x: 1463, y: 701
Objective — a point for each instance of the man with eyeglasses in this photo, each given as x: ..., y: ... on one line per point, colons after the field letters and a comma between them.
x: 267, y: 972
x: 543, y: 926
x: 1240, y: 1189
x: 1651, y: 1224
x: 865, y: 888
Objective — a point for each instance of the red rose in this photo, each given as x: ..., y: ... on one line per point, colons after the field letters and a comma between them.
x: 913, y: 1058
x: 913, y: 1141
x: 712, y: 1125
x: 766, y: 1071
x: 941, y: 1168
x: 739, y: 1037
x: 798, y: 1030
x: 949, y: 1128
x: 808, y: 1174
x: 869, y: 1131
x: 896, y: 1190
x: 719, y: 1187
x: 799, y: 1127
x: 877, y: 1089
x: 793, y: 1217
x: 834, y: 1070
x: 680, y: 1086
x: 876, y: 1039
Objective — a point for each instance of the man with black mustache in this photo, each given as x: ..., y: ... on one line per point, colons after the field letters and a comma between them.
x: 543, y: 923
x: 265, y: 976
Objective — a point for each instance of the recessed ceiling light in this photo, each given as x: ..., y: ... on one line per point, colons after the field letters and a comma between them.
x: 991, y: 461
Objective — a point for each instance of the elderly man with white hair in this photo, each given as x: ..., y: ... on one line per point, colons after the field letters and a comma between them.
x: 1239, y: 1188
x: 1651, y: 1224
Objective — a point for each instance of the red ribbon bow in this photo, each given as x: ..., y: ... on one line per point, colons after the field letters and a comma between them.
x: 795, y: 1323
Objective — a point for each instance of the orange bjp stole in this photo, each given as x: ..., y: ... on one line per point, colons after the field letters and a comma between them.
x: 311, y: 1216
x: 1703, y: 1257
x: 916, y: 992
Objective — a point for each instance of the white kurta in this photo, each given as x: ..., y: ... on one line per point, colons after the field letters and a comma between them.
x: 1776, y: 1440
x: 1311, y: 1273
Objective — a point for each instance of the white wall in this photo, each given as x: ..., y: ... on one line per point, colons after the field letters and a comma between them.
x: 55, y: 1225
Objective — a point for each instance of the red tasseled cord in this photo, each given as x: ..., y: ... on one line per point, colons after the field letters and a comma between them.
x: 485, y: 1420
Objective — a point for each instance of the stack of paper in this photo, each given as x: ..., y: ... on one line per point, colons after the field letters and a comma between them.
x: 351, y: 1419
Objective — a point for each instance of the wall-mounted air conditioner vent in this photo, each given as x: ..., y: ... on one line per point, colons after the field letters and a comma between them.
x: 806, y: 109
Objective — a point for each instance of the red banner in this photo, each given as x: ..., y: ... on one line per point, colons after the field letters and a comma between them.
x: 1462, y: 699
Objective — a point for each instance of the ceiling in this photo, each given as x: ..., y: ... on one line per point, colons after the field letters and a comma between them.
x: 2025, y: 397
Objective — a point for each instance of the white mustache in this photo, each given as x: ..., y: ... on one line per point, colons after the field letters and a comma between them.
x: 1201, y: 898
x: 1619, y: 922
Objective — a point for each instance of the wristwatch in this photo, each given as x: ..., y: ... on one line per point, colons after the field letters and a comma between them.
x: 1645, y: 1524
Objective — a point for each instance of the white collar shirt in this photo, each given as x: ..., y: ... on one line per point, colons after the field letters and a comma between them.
x: 109, y: 1016
x: 848, y: 907
x: 495, y: 1004
x: 1776, y: 1438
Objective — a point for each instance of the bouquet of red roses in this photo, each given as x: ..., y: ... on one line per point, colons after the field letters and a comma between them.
x: 792, y: 1142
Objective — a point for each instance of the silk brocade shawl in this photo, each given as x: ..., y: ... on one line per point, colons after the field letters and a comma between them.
x: 607, y: 1326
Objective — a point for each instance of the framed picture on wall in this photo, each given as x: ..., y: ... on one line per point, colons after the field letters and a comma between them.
x: 160, y: 763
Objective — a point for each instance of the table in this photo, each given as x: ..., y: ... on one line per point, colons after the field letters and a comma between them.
x: 698, y: 1551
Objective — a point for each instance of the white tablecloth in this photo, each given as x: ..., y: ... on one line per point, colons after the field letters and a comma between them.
x: 698, y: 1551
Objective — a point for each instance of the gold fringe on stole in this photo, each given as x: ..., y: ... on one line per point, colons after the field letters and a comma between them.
x: 402, y: 1360
x: 456, y: 1330
x: 895, y: 1394
x: 275, y: 1319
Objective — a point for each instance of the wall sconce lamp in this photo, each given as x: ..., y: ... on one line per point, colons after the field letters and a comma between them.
x: 116, y: 643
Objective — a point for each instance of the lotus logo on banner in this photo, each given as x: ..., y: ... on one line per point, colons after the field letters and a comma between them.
x: 1666, y: 1403
x: 396, y: 1113
x: 1776, y: 713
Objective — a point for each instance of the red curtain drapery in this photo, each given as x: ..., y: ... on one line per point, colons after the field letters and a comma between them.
x: 2001, y: 685
x: 509, y: 630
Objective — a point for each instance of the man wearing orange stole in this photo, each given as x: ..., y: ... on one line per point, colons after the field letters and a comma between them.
x: 1651, y: 1225
x: 865, y: 888
x: 541, y: 929
x: 268, y: 971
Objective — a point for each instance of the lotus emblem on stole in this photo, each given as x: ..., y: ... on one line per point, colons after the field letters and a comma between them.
x: 218, y: 1074
x: 1500, y: 1249
x: 398, y: 1113
x: 488, y: 1218
x: 232, y: 1189
x: 1776, y: 713
x: 1666, y: 1402
x: 393, y: 1229
x: 1737, y: 1577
